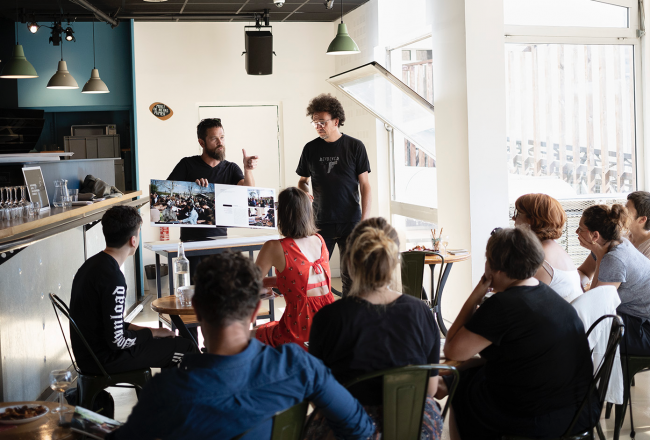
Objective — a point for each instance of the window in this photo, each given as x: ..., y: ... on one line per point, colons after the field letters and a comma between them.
x: 579, y: 13
x: 413, y: 123
x: 570, y: 119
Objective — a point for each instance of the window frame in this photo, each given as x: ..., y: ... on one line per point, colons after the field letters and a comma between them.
x: 599, y: 36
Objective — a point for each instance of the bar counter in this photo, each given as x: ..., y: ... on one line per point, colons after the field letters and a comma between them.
x: 39, y: 256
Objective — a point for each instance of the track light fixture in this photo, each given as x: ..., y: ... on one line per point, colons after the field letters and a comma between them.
x: 33, y: 27
x: 69, y: 34
x: 329, y: 4
x: 55, y: 38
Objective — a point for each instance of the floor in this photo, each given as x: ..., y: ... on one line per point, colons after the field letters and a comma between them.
x: 125, y: 399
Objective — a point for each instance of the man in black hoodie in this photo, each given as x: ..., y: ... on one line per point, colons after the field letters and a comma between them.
x: 98, y: 302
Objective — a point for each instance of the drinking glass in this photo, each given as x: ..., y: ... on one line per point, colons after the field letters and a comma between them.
x: 60, y: 380
x: 36, y: 209
x: 445, y: 242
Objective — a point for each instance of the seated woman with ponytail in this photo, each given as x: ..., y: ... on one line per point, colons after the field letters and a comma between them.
x: 616, y: 262
x: 375, y: 328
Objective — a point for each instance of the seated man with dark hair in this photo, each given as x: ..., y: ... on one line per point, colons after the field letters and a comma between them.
x: 97, y: 306
x: 240, y: 383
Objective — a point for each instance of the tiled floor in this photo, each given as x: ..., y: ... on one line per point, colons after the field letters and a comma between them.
x: 125, y: 399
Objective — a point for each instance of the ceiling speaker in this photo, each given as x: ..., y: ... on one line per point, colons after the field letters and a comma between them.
x: 259, y: 52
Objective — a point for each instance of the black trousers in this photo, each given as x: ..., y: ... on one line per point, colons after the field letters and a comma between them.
x: 337, y: 234
x: 156, y: 353
x: 636, y: 339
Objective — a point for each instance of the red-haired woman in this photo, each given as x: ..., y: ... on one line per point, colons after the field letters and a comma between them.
x: 546, y: 219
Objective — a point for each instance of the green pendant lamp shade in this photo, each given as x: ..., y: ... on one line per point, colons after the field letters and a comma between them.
x: 62, y: 79
x: 95, y: 84
x: 18, y: 67
x: 342, y: 44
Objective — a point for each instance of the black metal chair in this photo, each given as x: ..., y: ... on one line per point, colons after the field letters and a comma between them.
x: 88, y: 386
x: 404, y: 395
x: 631, y: 365
x: 287, y: 425
x: 599, y: 384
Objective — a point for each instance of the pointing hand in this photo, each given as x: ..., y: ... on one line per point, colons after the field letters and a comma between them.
x: 250, y: 162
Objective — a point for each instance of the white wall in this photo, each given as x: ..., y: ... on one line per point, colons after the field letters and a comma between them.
x: 469, y: 80
x: 184, y: 64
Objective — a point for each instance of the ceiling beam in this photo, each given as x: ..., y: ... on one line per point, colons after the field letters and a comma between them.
x: 97, y: 12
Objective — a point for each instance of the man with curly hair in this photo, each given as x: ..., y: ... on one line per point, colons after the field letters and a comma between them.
x: 337, y: 167
x: 240, y: 383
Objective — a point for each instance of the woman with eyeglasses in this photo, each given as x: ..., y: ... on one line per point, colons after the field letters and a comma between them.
x: 614, y: 261
x: 535, y: 366
x: 546, y: 218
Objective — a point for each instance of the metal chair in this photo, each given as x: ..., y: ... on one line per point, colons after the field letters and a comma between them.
x: 88, y: 386
x: 404, y: 395
x: 599, y: 384
x: 631, y: 365
x: 412, y: 269
x: 287, y: 425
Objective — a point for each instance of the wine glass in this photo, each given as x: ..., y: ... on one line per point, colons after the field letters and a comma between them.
x: 445, y: 242
x: 60, y: 380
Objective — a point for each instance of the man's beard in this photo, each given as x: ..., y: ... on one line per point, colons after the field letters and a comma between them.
x: 218, y: 154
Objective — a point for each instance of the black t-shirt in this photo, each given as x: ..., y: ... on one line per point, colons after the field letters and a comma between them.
x: 97, y: 306
x: 539, y: 360
x: 334, y: 168
x: 353, y: 337
x: 189, y: 169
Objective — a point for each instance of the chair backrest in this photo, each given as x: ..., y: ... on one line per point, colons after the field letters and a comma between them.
x: 287, y: 424
x: 412, y: 268
x: 600, y: 380
x: 405, y: 391
x: 57, y: 303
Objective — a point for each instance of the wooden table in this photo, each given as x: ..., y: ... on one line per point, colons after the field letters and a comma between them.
x: 169, y: 249
x: 446, y: 262
x: 45, y: 428
x: 171, y: 306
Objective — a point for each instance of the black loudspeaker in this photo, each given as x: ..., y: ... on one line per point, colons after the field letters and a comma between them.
x: 259, y: 52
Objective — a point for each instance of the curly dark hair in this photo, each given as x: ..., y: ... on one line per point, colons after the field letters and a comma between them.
x: 515, y: 251
x: 227, y: 288
x: 328, y: 104
x: 119, y: 224
x: 205, y: 124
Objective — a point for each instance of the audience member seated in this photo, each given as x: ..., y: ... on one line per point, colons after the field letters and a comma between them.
x: 616, y: 262
x: 638, y: 207
x: 535, y: 366
x: 97, y: 306
x: 375, y: 328
x: 240, y: 383
x: 302, y: 267
x: 546, y: 218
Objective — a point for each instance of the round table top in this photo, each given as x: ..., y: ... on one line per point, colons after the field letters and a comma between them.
x: 171, y: 306
x: 449, y: 258
x: 45, y: 428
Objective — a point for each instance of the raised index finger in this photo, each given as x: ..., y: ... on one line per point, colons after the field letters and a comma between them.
x: 244, y: 151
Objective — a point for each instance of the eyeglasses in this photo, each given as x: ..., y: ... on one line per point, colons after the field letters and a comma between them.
x: 515, y: 215
x: 320, y: 123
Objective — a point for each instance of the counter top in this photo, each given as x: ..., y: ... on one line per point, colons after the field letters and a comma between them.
x: 50, y: 221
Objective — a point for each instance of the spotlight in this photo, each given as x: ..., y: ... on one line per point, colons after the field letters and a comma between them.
x: 329, y: 4
x: 33, y: 27
x: 55, y: 39
x: 69, y: 34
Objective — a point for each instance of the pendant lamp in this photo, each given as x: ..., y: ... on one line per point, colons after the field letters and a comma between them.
x: 62, y: 79
x: 342, y: 44
x: 18, y: 67
x: 95, y: 84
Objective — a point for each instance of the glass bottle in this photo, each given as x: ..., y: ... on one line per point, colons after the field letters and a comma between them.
x: 182, y: 267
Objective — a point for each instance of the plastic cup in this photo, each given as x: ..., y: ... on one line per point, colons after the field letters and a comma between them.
x: 185, y: 294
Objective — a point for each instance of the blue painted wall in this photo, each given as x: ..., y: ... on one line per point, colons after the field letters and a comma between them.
x: 113, y: 60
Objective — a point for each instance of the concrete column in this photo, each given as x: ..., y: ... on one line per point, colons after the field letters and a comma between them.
x: 470, y: 108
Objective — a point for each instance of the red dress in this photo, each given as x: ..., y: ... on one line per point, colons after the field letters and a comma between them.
x: 293, y: 283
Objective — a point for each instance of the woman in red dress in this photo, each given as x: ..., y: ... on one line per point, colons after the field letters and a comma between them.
x: 301, y: 263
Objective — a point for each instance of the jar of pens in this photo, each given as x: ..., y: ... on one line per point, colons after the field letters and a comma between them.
x: 437, y: 240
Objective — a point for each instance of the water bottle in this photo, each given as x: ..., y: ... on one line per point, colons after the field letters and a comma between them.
x: 182, y: 267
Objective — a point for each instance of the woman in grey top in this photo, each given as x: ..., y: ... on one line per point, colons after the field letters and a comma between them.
x: 614, y: 261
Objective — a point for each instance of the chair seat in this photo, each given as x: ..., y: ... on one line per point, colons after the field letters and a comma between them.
x: 90, y: 385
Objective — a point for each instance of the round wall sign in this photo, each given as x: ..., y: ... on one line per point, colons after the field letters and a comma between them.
x: 161, y: 111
